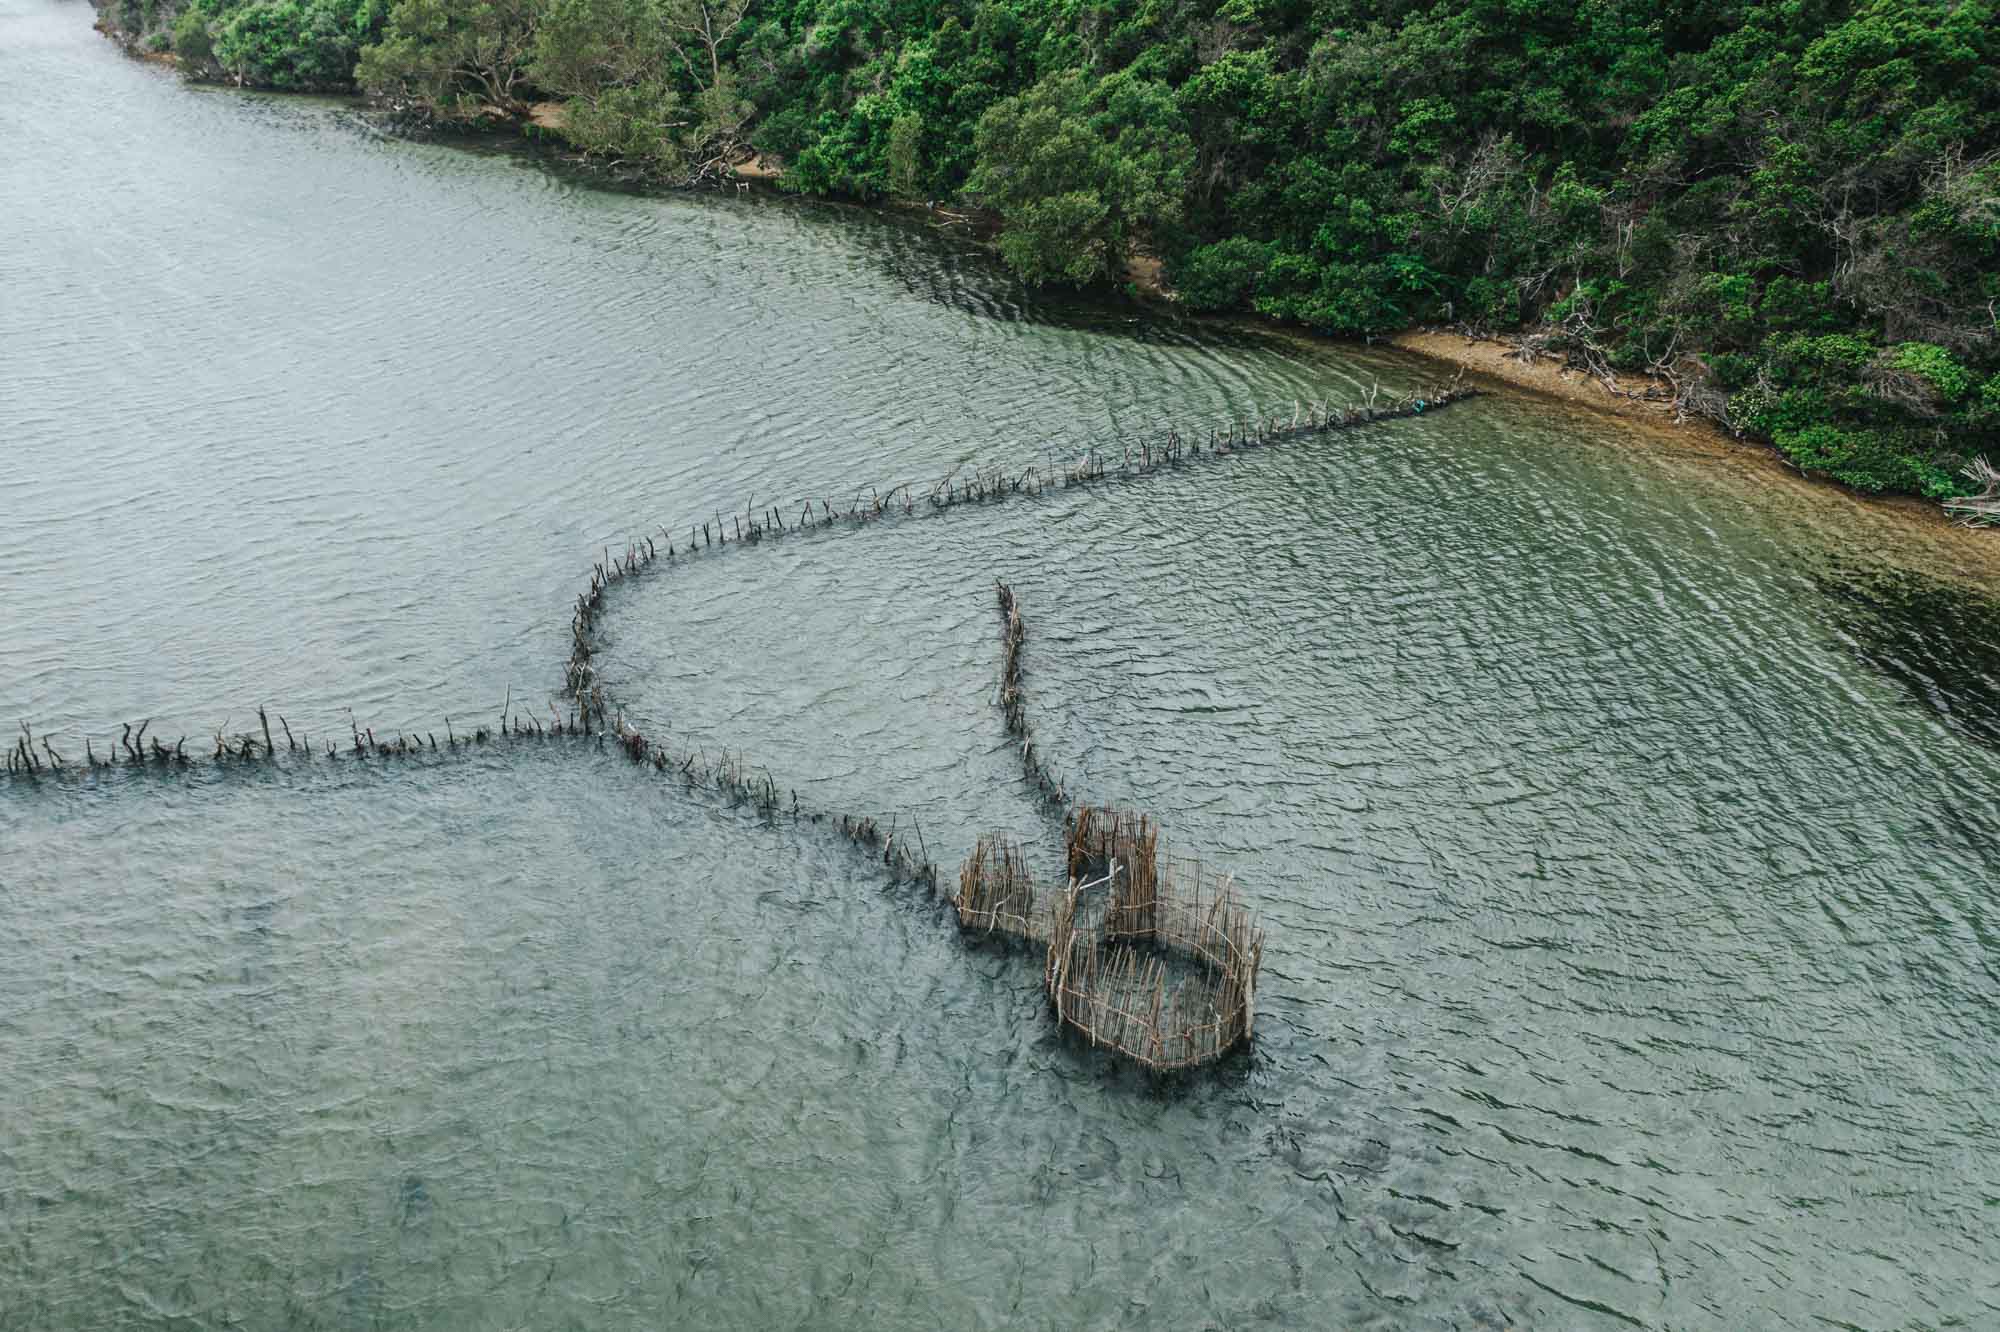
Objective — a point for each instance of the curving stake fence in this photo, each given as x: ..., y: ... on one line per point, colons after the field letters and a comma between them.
x: 1147, y: 955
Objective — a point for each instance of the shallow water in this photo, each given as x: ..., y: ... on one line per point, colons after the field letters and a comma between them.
x: 1625, y: 851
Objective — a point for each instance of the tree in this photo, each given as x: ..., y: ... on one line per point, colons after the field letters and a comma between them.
x: 621, y: 65
x: 697, y: 29
x: 610, y: 61
x: 192, y: 41
x: 1078, y: 170
x: 290, y: 44
x: 434, y: 52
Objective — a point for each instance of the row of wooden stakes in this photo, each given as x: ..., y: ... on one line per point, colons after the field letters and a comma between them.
x: 1092, y: 967
x: 758, y: 523
x: 32, y: 756
x: 134, y: 748
x: 1156, y: 964
x: 1014, y: 704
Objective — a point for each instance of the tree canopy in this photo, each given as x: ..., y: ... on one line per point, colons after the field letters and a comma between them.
x: 1077, y: 168
x: 1789, y: 208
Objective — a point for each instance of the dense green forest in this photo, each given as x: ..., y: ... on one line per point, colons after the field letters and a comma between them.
x: 1788, y: 209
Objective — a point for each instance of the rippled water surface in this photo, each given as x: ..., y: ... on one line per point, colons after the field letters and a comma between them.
x: 1626, y: 853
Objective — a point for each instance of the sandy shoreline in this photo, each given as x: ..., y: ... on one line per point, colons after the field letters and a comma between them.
x: 1494, y: 358
x: 1898, y: 530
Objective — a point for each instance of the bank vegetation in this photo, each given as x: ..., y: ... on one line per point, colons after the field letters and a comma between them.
x: 1787, y: 213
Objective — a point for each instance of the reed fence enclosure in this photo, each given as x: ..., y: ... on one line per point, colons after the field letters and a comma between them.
x: 1149, y: 956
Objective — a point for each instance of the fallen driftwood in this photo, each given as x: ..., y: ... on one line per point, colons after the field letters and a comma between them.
x: 1983, y: 508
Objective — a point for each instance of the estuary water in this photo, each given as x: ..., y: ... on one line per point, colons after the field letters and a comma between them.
x: 1626, y: 844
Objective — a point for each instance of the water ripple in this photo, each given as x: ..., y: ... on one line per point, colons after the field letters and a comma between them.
x: 1626, y: 858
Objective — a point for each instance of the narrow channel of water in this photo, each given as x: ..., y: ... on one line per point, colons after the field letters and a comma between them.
x: 1626, y: 851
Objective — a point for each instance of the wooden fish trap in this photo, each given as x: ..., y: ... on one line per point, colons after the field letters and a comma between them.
x: 1182, y: 994
x: 1098, y: 836
x: 1170, y: 942
x: 996, y: 892
x: 1153, y: 958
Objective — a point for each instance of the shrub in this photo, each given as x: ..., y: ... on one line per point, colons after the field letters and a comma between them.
x: 1225, y: 275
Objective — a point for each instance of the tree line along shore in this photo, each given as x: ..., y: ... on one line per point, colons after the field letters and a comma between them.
x: 1786, y: 216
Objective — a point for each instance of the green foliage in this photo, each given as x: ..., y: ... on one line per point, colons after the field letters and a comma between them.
x: 612, y: 63
x: 469, y: 52
x: 1934, y: 367
x: 192, y: 42
x: 1793, y: 206
x: 1341, y: 296
x: 293, y: 44
x: 1834, y: 403
x: 1077, y: 168
x: 1065, y: 236
x: 582, y: 48
x: 1870, y: 460
x: 1223, y: 275
x: 296, y: 45
x: 850, y: 154
x: 904, y: 154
